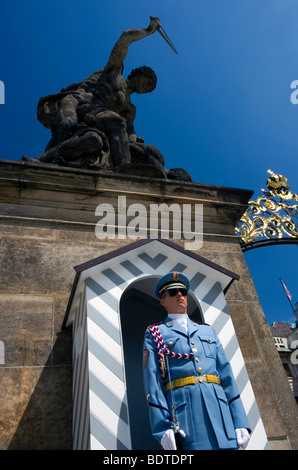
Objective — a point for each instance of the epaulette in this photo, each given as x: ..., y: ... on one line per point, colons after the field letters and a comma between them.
x: 200, y: 322
x: 154, y: 324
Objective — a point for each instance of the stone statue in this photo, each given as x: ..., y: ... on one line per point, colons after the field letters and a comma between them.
x: 92, y: 122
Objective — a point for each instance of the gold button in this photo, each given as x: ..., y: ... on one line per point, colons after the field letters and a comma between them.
x: 209, y: 340
x: 194, y: 350
x: 192, y: 342
x: 197, y: 359
x: 199, y: 369
x: 170, y: 343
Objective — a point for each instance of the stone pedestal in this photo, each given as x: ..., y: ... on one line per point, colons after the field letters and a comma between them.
x: 48, y: 223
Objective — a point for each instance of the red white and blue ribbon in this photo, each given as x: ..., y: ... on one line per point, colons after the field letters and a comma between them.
x: 162, y: 349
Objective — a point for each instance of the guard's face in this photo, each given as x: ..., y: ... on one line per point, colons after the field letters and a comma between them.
x: 175, y: 304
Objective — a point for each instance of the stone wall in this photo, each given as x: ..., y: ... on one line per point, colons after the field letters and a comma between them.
x: 47, y: 217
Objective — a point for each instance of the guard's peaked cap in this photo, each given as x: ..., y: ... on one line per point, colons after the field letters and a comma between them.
x: 172, y: 280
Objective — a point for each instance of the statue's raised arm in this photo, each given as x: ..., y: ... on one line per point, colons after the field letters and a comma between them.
x: 120, y: 49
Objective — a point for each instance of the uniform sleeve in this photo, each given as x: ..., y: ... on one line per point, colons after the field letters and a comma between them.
x: 229, y: 385
x: 159, y: 415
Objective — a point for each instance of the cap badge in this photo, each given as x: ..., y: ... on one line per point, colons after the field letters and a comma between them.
x: 175, y: 276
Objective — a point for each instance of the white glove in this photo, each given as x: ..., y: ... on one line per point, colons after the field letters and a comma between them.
x: 243, y: 437
x: 168, y: 439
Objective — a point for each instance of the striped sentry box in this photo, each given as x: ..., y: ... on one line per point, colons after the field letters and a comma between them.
x: 101, y: 415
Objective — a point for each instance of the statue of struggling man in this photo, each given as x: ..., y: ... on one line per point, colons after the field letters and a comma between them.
x: 92, y: 122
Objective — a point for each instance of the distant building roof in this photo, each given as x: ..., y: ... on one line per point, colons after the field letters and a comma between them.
x: 281, y: 329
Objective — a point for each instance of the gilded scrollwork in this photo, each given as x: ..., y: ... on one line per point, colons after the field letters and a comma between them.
x: 272, y: 215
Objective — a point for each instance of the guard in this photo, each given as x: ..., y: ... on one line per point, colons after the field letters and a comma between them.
x: 192, y: 396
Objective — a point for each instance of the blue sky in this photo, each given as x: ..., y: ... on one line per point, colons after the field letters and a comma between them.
x: 221, y: 109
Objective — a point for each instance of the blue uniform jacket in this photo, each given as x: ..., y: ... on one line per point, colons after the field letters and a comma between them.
x: 208, y: 413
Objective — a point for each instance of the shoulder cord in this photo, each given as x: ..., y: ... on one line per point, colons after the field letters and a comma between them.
x: 163, y: 350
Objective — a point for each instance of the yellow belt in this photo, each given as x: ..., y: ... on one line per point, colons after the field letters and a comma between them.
x: 192, y: 381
